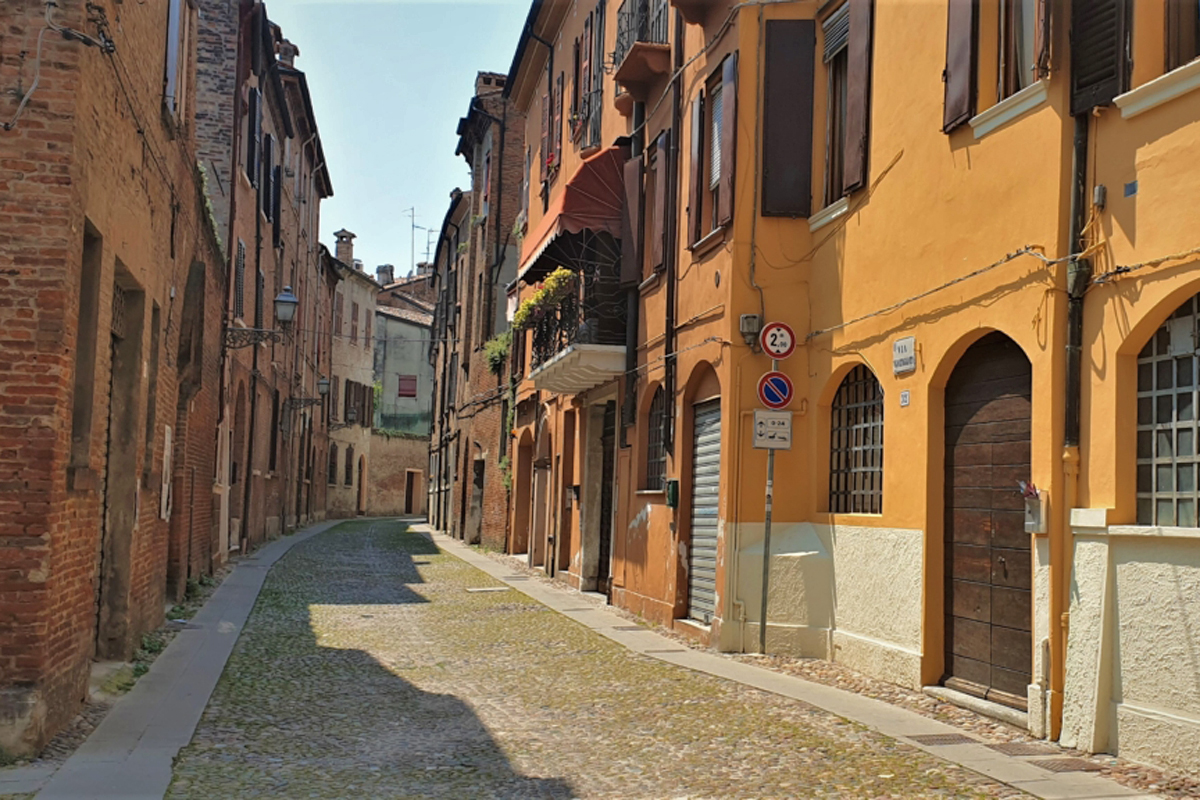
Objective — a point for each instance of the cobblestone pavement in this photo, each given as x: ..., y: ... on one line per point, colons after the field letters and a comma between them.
x: 369, y: 669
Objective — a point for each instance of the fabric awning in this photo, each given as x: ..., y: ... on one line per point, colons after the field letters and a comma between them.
x: 591, y: 202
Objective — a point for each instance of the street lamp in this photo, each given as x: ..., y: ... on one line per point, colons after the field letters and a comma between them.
x: 306, y: 402
x: 351, y: 418
x: 286, y: 304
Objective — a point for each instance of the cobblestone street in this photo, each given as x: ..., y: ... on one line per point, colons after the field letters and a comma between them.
x: 370, y: 669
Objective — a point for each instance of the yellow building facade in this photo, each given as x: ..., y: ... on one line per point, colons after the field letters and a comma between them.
x: 983, y: 239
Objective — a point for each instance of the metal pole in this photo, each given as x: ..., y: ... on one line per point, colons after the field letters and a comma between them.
x: 766, y: 564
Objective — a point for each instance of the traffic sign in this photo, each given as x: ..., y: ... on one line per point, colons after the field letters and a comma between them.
x: 777, y: 340
x: 772, y: 430
x: 775, y: 390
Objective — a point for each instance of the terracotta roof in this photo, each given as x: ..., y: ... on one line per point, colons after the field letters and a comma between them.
x: 415, y: 317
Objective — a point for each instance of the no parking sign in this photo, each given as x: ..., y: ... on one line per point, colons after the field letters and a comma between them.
x: 775, y: 390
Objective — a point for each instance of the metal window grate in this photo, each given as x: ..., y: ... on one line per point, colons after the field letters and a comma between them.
x: 656, y: 451
x: 856, y: 445
x: 117, y: 326
x: 1167, y: 459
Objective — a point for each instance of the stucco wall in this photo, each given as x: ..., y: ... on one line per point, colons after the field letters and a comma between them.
x: 1133, y: 653
x: 392, y: 457
x: 848, y: 593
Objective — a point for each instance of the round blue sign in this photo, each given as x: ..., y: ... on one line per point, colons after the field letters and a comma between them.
x: 775, y: 390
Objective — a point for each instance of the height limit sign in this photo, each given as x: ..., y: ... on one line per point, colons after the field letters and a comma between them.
x: 777, y: 340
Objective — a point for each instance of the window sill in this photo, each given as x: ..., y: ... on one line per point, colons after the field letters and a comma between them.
x: 1147, y: 531
x: 708, y: 242
x: 1008, y: 109
x: 1165, y: 88
x: 650, y: 492
x: 828, y: 214
x: 650, y: 282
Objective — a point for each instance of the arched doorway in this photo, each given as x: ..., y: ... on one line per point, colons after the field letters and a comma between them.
x: 522, y: 496
x: 362, y: 485
x: 988, y: 562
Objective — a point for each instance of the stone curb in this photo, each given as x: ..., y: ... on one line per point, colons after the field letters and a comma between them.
x: 898, y: 723
x: 130, y: 754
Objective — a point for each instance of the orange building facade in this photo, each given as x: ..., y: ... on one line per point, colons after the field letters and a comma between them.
x: 978, y: 230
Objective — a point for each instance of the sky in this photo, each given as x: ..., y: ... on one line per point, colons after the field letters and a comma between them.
x: 389, y: 81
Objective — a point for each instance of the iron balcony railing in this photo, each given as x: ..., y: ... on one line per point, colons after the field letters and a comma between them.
x: 593, y: 314
x: 639, y: 21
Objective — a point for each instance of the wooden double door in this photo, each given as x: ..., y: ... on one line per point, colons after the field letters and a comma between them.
x: 988, y: 563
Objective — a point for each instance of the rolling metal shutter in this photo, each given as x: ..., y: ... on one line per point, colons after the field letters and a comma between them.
x: 706, y: 481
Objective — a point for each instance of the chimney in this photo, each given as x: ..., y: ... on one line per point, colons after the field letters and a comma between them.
x: 358, y: 265
x: 385, y: 274
x: 288, y: 52
x: 344, y: 249
x: 424, y: 268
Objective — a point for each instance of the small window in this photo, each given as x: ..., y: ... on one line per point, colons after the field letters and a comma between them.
x: 837, y: 61
x: 367, y: 329
x: 715, y: 123
x: 1017, y: 67
x: 1167, y: 460
x: 349, y: 481
x: 331, y: 478
x: 1183, y: 32
x: 656, y: 451
x: 354, y: 323
x: 176, y: 68
x: 407, y: 386
x: 856, y: 445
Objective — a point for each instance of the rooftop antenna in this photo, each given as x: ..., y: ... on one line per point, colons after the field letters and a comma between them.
x: 412, y: 214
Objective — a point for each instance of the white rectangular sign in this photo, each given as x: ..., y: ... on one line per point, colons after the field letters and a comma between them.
x: 904, y: 355
x: 772, y: 430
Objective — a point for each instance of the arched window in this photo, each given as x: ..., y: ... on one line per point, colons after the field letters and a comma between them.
x: 856, y: 445
x: 656, y: 451
x: 349, y: 465
x: 1166, y: 422
x: 333, y: 462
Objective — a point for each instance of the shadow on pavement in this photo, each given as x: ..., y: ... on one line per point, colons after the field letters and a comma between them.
x: 304, y: 713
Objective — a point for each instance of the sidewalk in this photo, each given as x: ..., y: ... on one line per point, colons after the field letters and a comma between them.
x: 939, y: 739
x: 131, y: 752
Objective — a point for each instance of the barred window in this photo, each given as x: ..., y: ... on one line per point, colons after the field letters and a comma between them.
x: 331, y: 478
x: 656, y: 451
x: 349, y: 465
x: 856, y: 445
x: 1166, y: 422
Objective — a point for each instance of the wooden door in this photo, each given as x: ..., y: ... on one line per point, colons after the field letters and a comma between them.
x: 987, y: 552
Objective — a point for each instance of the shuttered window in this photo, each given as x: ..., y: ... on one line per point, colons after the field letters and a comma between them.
x: 349, y: 477
x: 858, y: 94
x: 277, y: 205
x: 557, y: 123
x: 268, y: 159
x: 1099, y: 33
x: 631, y: 224
x: 837, y: 35
x: 695, y: 194
x: 239, y: 281
x: 656, y: 451
x: 331, y: 467
x: 790, y: 47
x: 545, y: 154
x: 856, y: 445
x: 714, y: 127
x: 407, y: 386
x: 1018, y: 24
x: 728, y: 135
x: 354, y: 323
x: 260, y: 288
x: 253, y: 135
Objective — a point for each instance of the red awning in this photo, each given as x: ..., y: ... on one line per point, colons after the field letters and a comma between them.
x: 591, y: 201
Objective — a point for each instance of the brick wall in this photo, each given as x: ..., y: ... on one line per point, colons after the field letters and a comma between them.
x: 392, y: 458
x: 93, y: 155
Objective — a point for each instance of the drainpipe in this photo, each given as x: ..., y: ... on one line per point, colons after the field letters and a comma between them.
x: 248, y: 472
x: 1079, y: 274
x: 672, y: 232
x: 637, y: 146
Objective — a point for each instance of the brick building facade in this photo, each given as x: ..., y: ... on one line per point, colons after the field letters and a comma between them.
x: 491, y: 141
x: 112, y: 282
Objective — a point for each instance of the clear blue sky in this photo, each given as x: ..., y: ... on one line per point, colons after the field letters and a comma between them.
x: 389, y: 80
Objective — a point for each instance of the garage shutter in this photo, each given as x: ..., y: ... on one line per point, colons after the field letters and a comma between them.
x: 706, y: 482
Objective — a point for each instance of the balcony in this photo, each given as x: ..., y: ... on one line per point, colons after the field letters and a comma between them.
x: 580, y: 344
x: 643, y: 54
x: 585, y: 125
x: 695, y: 12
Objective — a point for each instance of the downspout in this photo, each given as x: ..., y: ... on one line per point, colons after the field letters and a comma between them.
x: 1079, y: 274
x: 248, y: 472
x: 672, y: 243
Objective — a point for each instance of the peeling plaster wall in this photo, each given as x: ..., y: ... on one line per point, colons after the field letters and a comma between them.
x: 1133, y: 652
x: 846, y: 593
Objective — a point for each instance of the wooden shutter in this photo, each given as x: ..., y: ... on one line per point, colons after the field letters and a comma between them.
x: 729, y: 114
x: 577, y: 84
x: 253, y: 135
x: 268, y: 156
x: 1098, y: 63
x: 631, y: 224
x: 789, y: 59
x: 959, y: 76
x: 408, y: 386
x: 1041, y: 40
x: 545, y: 155
x: 558, y: 118
x: 695, y: 179
x: 276, y: 203
x: 658, y: 226
x: 858, y: 95
x: 585, y: 66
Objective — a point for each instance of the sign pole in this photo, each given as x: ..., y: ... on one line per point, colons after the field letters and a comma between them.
x: 766, y: 565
